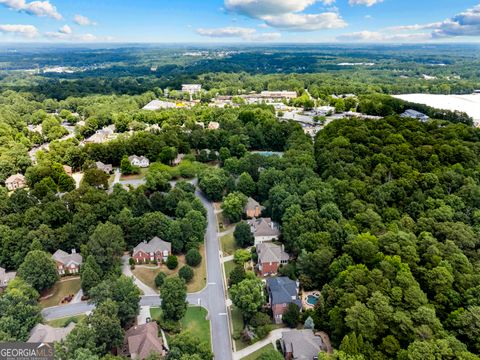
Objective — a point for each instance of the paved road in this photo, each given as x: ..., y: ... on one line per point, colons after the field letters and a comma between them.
x: 212, y: 297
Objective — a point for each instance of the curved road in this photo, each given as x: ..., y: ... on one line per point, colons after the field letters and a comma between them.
x: 212, y: 297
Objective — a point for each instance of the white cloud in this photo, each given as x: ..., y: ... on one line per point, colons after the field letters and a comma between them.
x: 248, y: 34
x: 306, y: 22
x: 466, y: 23
x: 226, y: 32
x: 260, y: 8
x: 65, y: 29
x: 374, y: 36
x: 37, y: 8
x: 364, y: 2
x: 28, y: 31
x: 288, y: 14
x: 83, y: 20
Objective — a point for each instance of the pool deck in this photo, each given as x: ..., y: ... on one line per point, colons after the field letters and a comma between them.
x: 304, y: 297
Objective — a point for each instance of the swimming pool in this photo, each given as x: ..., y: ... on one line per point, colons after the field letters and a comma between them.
x: 268, y: 153
x: 312, y: 300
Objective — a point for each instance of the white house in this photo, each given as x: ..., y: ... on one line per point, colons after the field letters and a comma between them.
x: 191, y: 88
x: 15, y: 182
x: 140, y: 161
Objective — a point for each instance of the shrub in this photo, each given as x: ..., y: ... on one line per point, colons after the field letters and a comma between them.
x: 159, y: 279
x: 131, y: 261
x: 193, y: 257
x: 186, y: 273
x: 260, y: 319
x: 291, y: 315
x: 263, y: 331
x: 172, y: 262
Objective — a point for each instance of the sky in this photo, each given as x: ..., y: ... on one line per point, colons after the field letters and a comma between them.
x: 237, y: 21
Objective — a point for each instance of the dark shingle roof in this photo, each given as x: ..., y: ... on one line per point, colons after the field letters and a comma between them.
x: 283, y: 290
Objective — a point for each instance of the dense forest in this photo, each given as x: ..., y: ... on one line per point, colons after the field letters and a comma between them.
x: 382, y: 217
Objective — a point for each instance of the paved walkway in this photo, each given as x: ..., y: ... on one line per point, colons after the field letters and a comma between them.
x: 227, y: 258
x: 127, y: 272
x: 78, y: 297
x: 270, y: 339
x: 226, y: 232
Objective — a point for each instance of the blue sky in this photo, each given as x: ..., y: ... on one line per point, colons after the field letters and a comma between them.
x: 225, y: 21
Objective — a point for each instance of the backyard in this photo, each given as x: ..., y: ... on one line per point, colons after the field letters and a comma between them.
x: 64, y: 287
x: 147, y: 273
x: 195, y: 321
x: 140, y: 175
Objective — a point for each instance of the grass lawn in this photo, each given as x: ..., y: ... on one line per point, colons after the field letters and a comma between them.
x: 141, y: 175
x: 228, y: 244
x: 229, y: 266
x: 195, y: 321
x: 61, y: 289
x: 147, y: 275
x: 59, y: 323
x: 255, y: 355
x: 237, y: 325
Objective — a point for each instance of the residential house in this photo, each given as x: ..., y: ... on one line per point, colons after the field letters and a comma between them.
x: 140, y: 161
x: 142, y: 341
x: 5, y: 277
x: 281, y: 292
x: 68, y: 170
x: 103, y: 135
x: 178, y: 159
x: 213, y: 125
x: 264, y: 229
x: 270, y: 257
x: 415, y: 115
x: 107, y: 168
x: 253, y: 209
x: 154, y: 250
x: 67, y: 263
x: 47, y: 334
x: 302, y: 344
x: 15, y: 182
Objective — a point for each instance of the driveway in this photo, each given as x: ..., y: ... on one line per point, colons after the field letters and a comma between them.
x: 127, y: 272
x: 270, y: 339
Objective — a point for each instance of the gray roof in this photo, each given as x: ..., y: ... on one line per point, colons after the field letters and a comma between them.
x: 414, y: 114
x: 105, y: 167
x: 66, y: 258
x: 283, y: 290
x: 154, y: 245
x: 303, y: 344
x: 263, y: 227
x: 5, y: 276
x: 139, y: 158
x: 45, y: 333
x: 252, y: 204
x: 270, y: 252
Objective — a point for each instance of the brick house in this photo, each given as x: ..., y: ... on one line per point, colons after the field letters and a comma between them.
x: 155, y: 249
x: 252, y: 209
x: 270, y: 257
x: 281, y: 292
x: 67, y: 264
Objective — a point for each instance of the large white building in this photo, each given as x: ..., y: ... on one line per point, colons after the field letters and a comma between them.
x: 191, y: 89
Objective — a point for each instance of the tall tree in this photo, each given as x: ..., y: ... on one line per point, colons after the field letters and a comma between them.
x: 39, y: 270
x: 174, y: 295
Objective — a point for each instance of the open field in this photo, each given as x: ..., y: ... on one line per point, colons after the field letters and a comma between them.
x: 62, y: 288
x: 466, y: 103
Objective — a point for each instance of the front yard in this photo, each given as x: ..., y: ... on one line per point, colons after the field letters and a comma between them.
x: 63, y: 322
x: 195, y: 321
x: 255, y: 355
x: 147, y: 273
x: 66, y: 286
x: 140, y: 175
x: 228, y: 244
